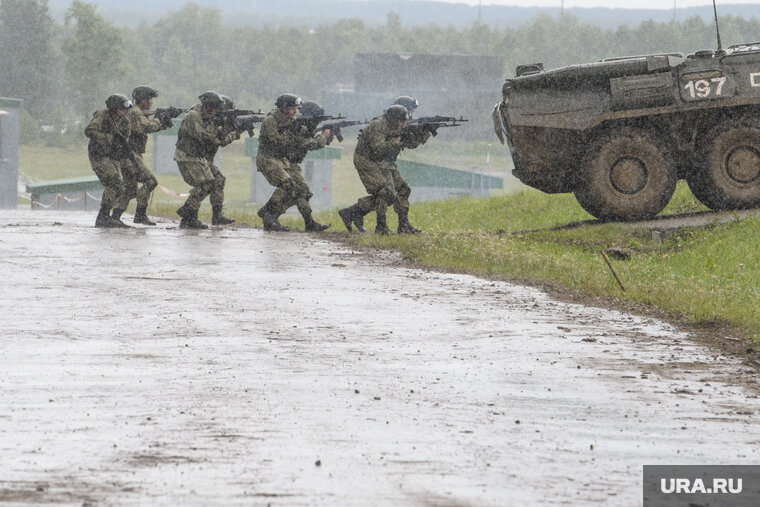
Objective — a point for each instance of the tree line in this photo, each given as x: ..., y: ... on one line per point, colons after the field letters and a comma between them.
x: 64, y: 72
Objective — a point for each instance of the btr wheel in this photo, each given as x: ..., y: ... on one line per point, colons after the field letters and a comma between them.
x: 728, y: 174
x: 627, y: 175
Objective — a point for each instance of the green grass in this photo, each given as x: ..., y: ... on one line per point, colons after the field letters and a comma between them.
x: 709, y: 274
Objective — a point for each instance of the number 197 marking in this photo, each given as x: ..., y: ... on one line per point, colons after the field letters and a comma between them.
x: 702, y: 88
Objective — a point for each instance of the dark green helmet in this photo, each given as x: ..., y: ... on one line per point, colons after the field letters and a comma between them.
x: 211, y: 99
x: 311, y: 108
x: 144, y: 92
x: 287, y: 100
x: 118, y: 101
x: 397, y: 113
x: 408, y: 102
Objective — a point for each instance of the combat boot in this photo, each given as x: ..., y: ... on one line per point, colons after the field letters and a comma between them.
x: 182, y: 211
x: 404, y: 227
x: 270, y: 220
x: 116, y: 218
x: 353, y: 214
x: 218, y: 218
x: 104, y: 219
x: 310, y: 225
x: 190, y: 221
x: 141, y: 217
x: 358, y: 218
x: 382, y: 226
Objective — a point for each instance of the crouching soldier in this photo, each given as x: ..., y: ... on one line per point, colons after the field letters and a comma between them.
x: 140, y: 126
x: 377, y: 147
x: 281, y: 148
x: 196, y: 133
x: 108, y: 132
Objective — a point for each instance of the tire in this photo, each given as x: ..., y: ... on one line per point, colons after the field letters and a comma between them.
x: 627, y: 175
x: 728, y: 172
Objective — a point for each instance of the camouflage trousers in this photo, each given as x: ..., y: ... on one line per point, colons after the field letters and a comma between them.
x: 107, y: 171
x: 216, y: 198
x: 197, y: 174
x: 131, y: 176
x: 384, y: 184
x: 291, y: 185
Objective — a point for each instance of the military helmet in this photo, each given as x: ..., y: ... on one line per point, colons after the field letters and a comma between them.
x: 144, y: 92
x: 311, y: 108
x: 408, y: 102
x: 227, y: 103
x: 211, y: 99
x: 287, y: 100
x: 118, y: 101
x: 397, y: 113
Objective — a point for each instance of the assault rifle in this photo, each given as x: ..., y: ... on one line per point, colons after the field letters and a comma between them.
x: 336, y: 126
x: 166, y: 114
x: 431, y: 124
x: 310, y: 121
x: 245, y: 123
x: 227, y: 116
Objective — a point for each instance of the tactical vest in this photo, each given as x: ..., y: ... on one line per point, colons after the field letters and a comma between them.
x: 190, y: 145
x: 138, y: 142
x: 115, y: 150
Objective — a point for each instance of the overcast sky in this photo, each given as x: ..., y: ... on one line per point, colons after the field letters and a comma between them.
x: 630, y: 4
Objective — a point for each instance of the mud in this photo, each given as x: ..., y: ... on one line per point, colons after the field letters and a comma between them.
x: 236, y: 367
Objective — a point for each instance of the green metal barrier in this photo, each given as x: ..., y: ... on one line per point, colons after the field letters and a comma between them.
x: 72, y: 193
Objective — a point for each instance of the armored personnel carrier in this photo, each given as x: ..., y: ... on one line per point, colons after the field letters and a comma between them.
x: 621, y: 132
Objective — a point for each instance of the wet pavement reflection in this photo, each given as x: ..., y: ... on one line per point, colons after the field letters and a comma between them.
x: 234, y: 366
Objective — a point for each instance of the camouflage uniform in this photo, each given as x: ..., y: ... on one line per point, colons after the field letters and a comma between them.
x: 196, y: 135
x: 304, y: 141
x: 140, y: 126
x: 106, y: 154
x: 280, y: 152
x: 403, y: 191
x: 374, y: 160
x: 226, y: 136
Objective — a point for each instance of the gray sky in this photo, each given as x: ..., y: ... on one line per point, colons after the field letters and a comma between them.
x: 629, y: 4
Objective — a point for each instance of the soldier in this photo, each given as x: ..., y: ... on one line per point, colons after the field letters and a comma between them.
x: 403, y: 190
x: 197, y: 133
x: 108, y: 132
x: 226, y: 135
x: 281, y: 149
x: 355, y: 214
x: 377, y: 147
x: 140, y: 126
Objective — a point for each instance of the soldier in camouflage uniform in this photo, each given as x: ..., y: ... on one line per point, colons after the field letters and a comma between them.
x: 108, y: 132
x: 415, y: 139
x: 378, y: 145
x: 196, y: 133
x: 140, y: 126
x: 226, y: 135
x: 282, y: 146
x: 306, y: 139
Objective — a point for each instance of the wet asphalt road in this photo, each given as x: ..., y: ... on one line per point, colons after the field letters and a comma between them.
x: 157, y: 366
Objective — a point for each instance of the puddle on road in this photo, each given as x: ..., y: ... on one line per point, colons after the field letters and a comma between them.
x: 237, y: 366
